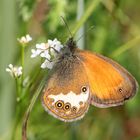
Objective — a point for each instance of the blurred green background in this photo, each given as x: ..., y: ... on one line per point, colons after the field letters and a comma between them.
x: 116, y: 34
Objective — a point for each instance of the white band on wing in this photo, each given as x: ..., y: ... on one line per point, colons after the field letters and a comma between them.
x: 71, y: 98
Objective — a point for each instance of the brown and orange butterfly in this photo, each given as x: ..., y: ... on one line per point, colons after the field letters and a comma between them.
x: 80, y: 78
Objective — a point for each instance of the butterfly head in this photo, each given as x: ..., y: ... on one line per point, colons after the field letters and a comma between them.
x: 71, y: 44
x: 68, y: 50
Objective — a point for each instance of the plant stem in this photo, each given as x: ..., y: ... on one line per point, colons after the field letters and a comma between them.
x: 126, y: 46
x: 34, y: 77
x: 91, y: 7
x: 17, y: 87
x: 30, y: 107
x: 81, y: 31
x: 124, y: 19
x: 17, y: 111
x: 73, y: 131
x: 22, y: 63
x: 16, y: 121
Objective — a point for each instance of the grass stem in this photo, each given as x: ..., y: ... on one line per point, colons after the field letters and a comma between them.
x: 126, y: 46
x: 92, y: 6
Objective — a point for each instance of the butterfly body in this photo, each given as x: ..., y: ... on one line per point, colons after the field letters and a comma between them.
x: 80, y: 78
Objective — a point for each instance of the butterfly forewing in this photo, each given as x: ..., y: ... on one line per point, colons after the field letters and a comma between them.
x: 110, y: 84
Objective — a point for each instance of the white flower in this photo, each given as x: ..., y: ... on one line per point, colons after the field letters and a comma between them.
x: 35, y: 53
x: 50, y: 43
x: 48, y: 51
x: 46, y: 55
x: 47, y: 64
x: 58, y: 47
x: 55, y: 44
x: 14, y: 71
x: 25, y: 39
x: 40, y: 48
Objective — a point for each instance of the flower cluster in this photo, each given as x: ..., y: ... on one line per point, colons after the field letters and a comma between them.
x: 14, y: 71
x: 47, y: 51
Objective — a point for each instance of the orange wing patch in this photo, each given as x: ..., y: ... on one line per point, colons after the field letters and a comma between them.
x: 110, y: 84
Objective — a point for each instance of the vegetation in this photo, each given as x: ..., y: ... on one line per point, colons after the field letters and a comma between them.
x: 116, y: 34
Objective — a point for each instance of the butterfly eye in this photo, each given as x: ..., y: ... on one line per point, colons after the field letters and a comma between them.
x: 67, y: 106
x: 59, y: 104
x: 84, y: 89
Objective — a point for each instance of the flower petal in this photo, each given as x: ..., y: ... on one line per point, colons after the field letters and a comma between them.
x: 45, y: 54
x: 28, y: 38
x: 14, y: 71
x: 41, y: 46
x: 47, y: 64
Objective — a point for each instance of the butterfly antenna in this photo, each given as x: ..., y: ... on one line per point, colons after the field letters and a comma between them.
x: 85, y: 33
x: 66, y: 26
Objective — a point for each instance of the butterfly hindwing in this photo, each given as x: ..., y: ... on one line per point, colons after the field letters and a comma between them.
x: 110, y: 84
x: 66, y: 95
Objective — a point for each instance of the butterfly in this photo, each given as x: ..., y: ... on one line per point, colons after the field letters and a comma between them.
x: 81, y: 78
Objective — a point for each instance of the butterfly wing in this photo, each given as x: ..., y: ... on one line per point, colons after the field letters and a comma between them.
x: 110, y: 84
x: 66, y: 94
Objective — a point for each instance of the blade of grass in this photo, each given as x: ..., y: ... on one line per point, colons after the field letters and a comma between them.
x: 92, y: 6
x: 81, y: 31
x: 22, y: 63
x: 73, y: 131
x: 127, y: 46
x: 26, y: 117
x: 122, y: 17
